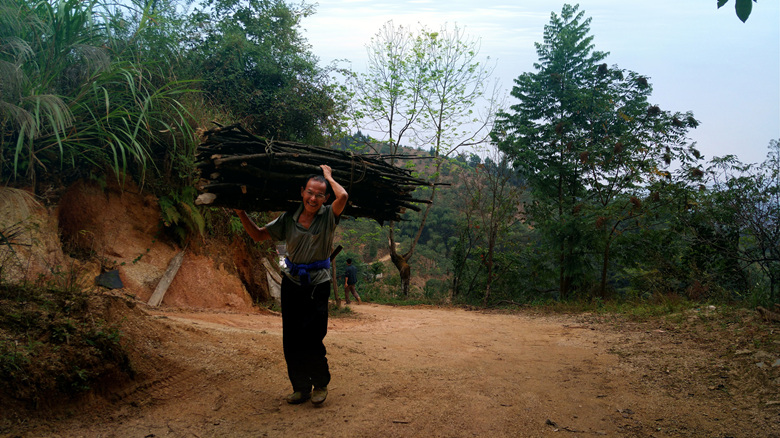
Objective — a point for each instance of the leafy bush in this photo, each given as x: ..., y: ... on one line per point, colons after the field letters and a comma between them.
x: 436, y: 289
x: 180, y: 215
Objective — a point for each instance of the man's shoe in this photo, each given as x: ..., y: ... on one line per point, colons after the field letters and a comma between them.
x: 298, y: 397
x: 319, y: 395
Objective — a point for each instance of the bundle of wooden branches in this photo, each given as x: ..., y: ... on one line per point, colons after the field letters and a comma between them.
x: 240, y: 170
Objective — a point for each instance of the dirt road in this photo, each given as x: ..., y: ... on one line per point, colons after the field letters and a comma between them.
x: 411, y: 372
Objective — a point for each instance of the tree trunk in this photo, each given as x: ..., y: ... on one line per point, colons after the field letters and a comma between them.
x: 605, y: 262
x: 491, y: 249
x: 401, y: 262
x: 562, y: 286
x: 403, y: 269
x: 489, y: 279
x: 335, y: 285
x: 335, y: 281
x: 455, y: 286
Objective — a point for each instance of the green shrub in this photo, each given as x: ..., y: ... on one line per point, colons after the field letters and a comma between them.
x: 436, y: 289
x: 181, y: 216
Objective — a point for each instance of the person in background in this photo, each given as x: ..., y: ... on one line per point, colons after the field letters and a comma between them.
x: 350, y: 280
x: 306, y: 284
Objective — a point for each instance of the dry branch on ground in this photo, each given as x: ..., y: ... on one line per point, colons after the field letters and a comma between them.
x: 241, y: 170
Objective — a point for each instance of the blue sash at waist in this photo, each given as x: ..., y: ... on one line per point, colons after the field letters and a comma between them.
x: 301, y: 270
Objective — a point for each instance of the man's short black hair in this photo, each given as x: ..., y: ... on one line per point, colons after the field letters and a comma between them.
x: 349, y: 261
x: 319, y: 178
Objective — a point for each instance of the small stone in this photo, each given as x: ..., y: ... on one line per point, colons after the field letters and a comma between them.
x: 763, y: 356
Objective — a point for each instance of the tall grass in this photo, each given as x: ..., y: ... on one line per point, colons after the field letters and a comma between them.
x: 76, y: 95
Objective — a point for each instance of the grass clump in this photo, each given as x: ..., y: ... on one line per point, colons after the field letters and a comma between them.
x: 336, y: 311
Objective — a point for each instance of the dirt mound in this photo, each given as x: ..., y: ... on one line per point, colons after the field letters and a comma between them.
x: 121, y: 227
x: 201, y: 285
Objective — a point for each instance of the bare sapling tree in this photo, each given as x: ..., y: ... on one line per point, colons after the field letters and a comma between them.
x: 387, y: 98
x: 432, y: 87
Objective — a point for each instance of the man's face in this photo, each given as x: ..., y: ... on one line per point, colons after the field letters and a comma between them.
x: 314, y: 195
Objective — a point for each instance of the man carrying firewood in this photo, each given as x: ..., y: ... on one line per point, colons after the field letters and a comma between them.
x: 307, y: 281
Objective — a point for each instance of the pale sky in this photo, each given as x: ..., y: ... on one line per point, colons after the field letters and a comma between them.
x: 697, y: 57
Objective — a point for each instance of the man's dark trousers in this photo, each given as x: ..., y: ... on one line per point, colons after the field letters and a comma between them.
x: 304, y: 326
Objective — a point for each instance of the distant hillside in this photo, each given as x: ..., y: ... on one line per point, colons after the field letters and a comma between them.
x: 366, y: 241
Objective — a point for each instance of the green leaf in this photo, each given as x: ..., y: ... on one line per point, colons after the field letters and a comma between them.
x: 744, y: 7
x: 722, y: 2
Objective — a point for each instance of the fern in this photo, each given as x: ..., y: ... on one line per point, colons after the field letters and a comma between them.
x: 180, y: 215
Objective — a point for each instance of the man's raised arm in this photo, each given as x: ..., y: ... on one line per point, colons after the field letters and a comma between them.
x: 256, y: 233
x: 341, y: 193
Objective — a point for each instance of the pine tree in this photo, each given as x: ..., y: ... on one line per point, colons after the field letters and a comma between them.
x: 590, y: 144
x: 543, y: 133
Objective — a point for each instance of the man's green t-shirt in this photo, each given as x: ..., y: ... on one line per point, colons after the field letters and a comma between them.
x: 306, y: 245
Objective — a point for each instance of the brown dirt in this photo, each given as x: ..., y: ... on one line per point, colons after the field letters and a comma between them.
x: 408, y: 372
x: 120, y: 227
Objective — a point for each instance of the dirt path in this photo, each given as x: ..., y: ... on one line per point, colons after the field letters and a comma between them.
x: 400, y: 372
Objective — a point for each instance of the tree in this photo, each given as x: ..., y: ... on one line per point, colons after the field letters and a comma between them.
x: 254, y: 62
x: 387, y: 101
x: 745, y: 204
x: 543, y: 135
x: 590, y: 144
x: 426, y: 87
x: 493, y: 209
x: 630, y: 145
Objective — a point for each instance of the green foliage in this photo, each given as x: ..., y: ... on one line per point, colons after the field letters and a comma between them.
x: 594, y: 152
x: 394, y: 295
x: 736, y: 225
x: 542, y: 135
x: 492, y: 216
x: 51, y: 344
x: 181, y: 216
x: 361, y: 239
x: 74, y: 101
x: 376, y: 269
x: 254, y: 62
x: 436, y: 290
x: 742, y: 7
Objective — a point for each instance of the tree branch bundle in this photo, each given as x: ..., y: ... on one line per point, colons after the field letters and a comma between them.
x: 243, y: 171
